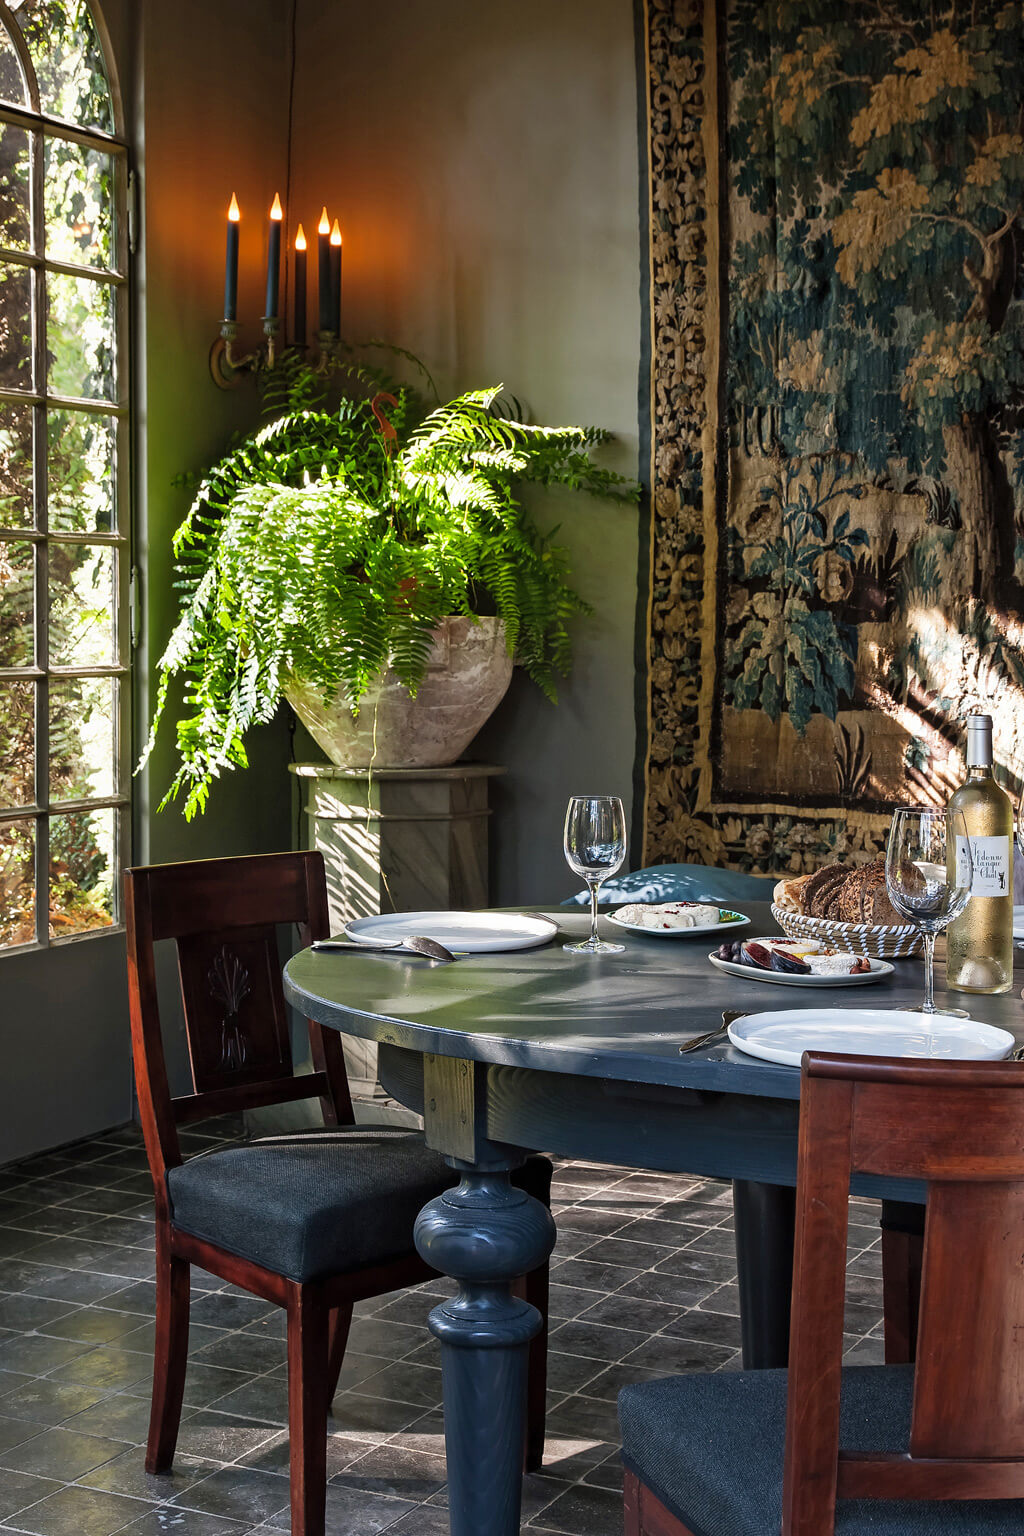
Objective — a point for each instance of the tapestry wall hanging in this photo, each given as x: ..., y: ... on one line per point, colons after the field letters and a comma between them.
x: 836, y: 417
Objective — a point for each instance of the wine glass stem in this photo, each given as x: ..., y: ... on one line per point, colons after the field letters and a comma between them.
x: 595, y: 886
x: 929, y: 972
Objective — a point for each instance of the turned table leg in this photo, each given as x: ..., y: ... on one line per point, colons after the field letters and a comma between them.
x: 484, y: 1234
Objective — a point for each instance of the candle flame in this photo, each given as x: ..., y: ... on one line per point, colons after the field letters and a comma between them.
x: 276, y: 211
x: 234, y: 212
x: 336, y: 233
x: 325, y: 223
x: 300, y: 239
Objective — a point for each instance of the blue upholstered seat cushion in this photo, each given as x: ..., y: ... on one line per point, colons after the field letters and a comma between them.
x: 308, y: 1205
x: 710, y: 1448
x: 680, y: 882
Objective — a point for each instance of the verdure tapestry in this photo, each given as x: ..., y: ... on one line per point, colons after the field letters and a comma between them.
x: 836, y: 327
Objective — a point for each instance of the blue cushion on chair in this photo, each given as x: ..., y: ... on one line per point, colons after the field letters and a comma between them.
x: 711, y: 1449
x: 318, y: 1204
x: 681, y: 882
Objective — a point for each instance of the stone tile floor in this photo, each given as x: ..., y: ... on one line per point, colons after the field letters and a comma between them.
x: 643, y: 1284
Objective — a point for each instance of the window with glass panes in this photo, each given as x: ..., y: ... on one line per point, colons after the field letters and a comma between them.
x: 63, y: 474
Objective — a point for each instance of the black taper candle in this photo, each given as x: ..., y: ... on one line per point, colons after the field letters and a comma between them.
x: 324, y: 272
x: 274, y: 259
x: 231, y: 263
x: 299, y: 328
x: 336, y: 279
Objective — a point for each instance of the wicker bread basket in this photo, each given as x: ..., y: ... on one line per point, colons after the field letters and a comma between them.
x: 879, y: 941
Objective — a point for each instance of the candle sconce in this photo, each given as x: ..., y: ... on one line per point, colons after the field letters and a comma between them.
x: 227, y: 366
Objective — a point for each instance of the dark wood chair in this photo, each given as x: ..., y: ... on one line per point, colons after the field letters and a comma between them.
x: 935, y: 1446
x: 313, y: 1222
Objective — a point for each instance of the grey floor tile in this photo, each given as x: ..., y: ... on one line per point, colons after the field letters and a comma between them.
x: 167, y: 1520
x: 585, y: 1218
x: 713, y: 1327
x: 349, y: 1511
x: 27, y: 1313
x: 127, y: 1474
x: 387, y: 1338
x: 221, y: 1437
x: 35, y: 1354
x: 223, y: 1310
x: 583, y: 1511
x: 20, y: 1489
x: 44, y: 1401
x: 389, y: 1469
x: 107, y: 1367
x: 596, y: 1340
x: 118, y: 1417
x: 238, y: 1351
x: 77, y: 1511
x: 673, y: 1356
x: 15, y: 1431
x: 261, y: 1397
x: 93, y: 1325
x: 61, y: 1453
x: 238, y: 1493
x: 405, y: 1383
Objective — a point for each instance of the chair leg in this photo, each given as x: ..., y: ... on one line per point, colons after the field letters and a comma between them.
x: 170, y: 1357
x: 535, y: 1291
x: 341, y: 1322
x: 902, y: 1255
x: 631, y: 1504
x: 307, y: 1409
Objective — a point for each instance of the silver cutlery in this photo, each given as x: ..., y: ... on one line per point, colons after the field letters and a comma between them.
x: 417, y: 942
x: 713, y: 1036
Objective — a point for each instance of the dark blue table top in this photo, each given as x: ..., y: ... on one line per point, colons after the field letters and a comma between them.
x: 620, y: 1016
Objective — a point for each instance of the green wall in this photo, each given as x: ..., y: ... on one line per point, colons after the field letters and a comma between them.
x: 212, y: 119
x: 483, y: 162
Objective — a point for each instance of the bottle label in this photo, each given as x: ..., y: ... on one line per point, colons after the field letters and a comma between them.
x: 991, y: 857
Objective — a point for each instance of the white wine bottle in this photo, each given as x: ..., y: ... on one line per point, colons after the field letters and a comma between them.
x: 979, y: 943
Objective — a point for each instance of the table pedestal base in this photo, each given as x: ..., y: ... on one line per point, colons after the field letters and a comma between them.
x: 484, y: 1234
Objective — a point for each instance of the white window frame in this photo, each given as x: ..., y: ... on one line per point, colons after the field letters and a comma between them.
x: 40, y: 125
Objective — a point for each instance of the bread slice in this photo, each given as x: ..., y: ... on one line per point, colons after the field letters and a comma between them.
x: 820, y: 888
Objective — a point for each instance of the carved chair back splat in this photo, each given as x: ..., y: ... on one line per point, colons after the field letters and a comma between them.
x: 224, y: 917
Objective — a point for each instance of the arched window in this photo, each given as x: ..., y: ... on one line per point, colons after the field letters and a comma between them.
x: 64, y: 502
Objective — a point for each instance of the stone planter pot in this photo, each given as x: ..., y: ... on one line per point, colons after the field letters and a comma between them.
x: 467, y: 677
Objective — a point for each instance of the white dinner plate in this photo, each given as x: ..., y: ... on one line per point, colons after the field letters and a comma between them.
x: 476, y: 933
x: 1018, y: 924
x: 784, y: 1036
x: 736, y: 921
x: 879, y: 968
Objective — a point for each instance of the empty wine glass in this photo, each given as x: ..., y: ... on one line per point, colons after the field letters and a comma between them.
x: 929, y: 870
x: 595, y: 846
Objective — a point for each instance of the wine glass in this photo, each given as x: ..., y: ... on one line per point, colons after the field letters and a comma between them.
x: 929, y: 870
x: 595, y: 846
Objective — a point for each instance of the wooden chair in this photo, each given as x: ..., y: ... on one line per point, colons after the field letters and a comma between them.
x: 311, y: 1222
x: 941, y: 1443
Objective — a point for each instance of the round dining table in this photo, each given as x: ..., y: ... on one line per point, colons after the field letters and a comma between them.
x: 579, y: 1055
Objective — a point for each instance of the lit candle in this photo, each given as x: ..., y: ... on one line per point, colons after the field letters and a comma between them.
x: 274, y: 257
x: 336, y: 279
x: 300, y: 287
x: 231, y: 262
x: 323, y: 230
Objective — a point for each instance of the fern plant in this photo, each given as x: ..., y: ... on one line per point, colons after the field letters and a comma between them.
x: 329, y: 544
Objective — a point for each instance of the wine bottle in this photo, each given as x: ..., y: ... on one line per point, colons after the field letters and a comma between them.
x: 979, y: 943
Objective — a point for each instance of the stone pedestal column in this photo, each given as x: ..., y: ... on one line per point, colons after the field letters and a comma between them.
x: 396, y: 840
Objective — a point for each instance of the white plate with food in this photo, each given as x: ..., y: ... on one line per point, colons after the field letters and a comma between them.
x: 798, y: 963
x: 475, y: 933
x: 783, y: 1036
x: 676, y: 919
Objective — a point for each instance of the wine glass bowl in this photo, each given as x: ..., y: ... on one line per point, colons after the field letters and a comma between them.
x: 595, y: 847
x: 928, y: 875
